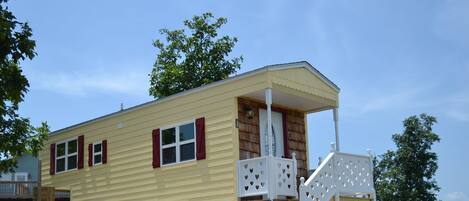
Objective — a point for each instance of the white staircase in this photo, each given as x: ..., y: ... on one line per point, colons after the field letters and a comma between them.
x: 340, y: 174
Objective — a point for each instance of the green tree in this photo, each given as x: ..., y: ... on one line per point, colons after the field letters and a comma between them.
x: 407, y: 173
x: 17, y: 136
x: 192, y: 58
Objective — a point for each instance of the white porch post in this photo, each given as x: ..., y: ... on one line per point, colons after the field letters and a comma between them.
x: 268, y: 102
x: 336, y: 127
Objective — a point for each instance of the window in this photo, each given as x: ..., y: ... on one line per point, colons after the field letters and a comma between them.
x: 178, y: 144
x: 97, y: 153
x: 66, y: 156
x: 21, y: 176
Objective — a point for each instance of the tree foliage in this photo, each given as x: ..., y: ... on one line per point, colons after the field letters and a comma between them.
x: 192, y: 58
x: 407, y: 173
x: 17, y: 136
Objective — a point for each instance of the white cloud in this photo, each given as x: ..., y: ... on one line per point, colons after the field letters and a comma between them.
x: 458, y: 115
x: 453, y: 105
x: 389, y: 101
x: 456, y: 196
x: 458, y: 107
x: 96, y: 81
x: 385, y: 100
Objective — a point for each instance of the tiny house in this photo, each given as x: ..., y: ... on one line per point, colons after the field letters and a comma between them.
x: 242, y: 138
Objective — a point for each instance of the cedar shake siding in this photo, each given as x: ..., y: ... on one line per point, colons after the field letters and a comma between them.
x: 249, y: 138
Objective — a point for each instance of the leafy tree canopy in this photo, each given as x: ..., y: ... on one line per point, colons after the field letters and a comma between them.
x: 192, y: 58
x: 17, y: 136
x: 407, y: 173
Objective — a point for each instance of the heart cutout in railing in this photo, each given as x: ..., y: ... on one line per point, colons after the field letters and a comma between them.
x: 257, y: 176
x: 251, y: 170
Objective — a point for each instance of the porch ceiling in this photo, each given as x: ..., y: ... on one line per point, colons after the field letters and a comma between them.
x: 293, y: 99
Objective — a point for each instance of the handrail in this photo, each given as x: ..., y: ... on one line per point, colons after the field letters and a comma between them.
x: 18, y: 182
x: 339, y: 174
x: 17, y: 189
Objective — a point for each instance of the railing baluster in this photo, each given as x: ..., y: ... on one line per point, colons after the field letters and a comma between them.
x: 17, y: 189
x: 340, y: 173
x: 268, y: 176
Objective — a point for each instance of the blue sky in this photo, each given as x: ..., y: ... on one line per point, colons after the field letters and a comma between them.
x: 392, y: 59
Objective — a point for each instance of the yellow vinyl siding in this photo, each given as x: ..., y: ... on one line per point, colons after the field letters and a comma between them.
x: 129, y: 174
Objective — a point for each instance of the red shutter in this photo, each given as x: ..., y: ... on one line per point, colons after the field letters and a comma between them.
x: 52, y: 159
x: 104, y: 143
x: 200, y: 137
x: 156, y: 147
x: 81, y: 147
x: 90, y: 155
x: 286, y: 148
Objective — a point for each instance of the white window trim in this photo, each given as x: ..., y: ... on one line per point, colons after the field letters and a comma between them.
x: 177, y: 143
x: 25, y: 174
x: 66, y: 155
x: 97, y: 153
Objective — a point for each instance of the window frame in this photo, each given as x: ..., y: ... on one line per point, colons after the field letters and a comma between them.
x: 25, y: 174
x: 177, y: 144
x: 97, y: 153
x: 66, y: 155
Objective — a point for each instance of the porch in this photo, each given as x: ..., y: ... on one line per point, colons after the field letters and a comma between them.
x: 273, y: 148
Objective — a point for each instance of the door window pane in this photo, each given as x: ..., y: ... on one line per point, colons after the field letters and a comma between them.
x: 169, y: 155
x: 60, y: 149
x: 72, y: 162
x: 186, y: 132
x: 60, y: 165
x: 168, y: 136
x: 72, y: 146
x: 187, y: 152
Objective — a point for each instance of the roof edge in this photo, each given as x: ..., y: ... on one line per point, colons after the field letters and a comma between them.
x: 298, y: 64
x: 308, y: 66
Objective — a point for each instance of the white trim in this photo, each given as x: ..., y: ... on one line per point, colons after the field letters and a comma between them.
x: 177, y: 144
x: 66, y: 155
x: 93, y: 153
x: 25, y: 174
x: 300, y: 64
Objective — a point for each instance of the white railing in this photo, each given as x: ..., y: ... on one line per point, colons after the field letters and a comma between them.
x: 17, y: 189
x: 339, y: 174
x: 267, y: 176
